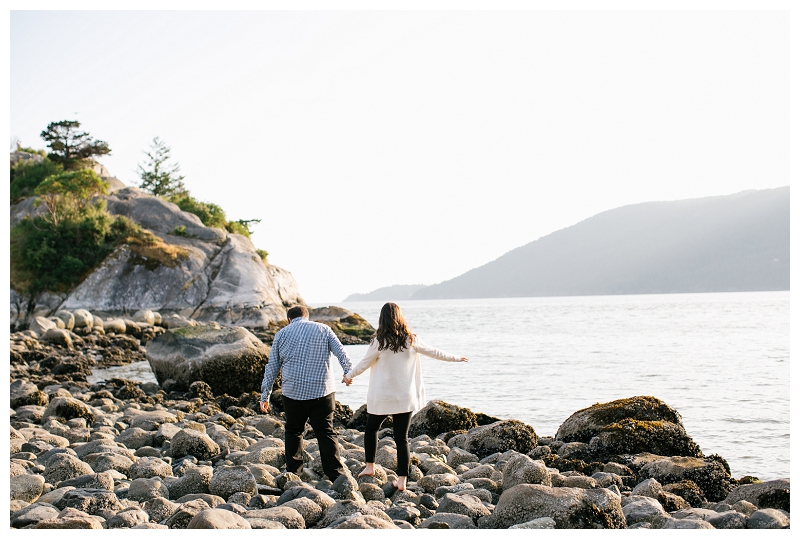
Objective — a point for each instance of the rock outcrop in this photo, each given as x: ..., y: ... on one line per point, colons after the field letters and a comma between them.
x: 202, y: 273
x: 230, y: 360
x: 629, y: 426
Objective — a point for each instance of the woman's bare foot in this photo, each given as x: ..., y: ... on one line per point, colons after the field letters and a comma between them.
x: 369, y: 469
x: 399, y: 483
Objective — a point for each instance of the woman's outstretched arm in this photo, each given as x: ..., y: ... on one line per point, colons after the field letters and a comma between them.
x: 435, y: 353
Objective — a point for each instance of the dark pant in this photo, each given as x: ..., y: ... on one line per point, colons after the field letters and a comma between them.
x: 400, y: 424
x: 319, y: 413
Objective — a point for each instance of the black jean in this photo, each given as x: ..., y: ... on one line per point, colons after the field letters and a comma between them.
x: 319, y: 413
x: 400, y: 424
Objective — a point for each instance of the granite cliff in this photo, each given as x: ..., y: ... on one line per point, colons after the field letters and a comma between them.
x: 210, y: 275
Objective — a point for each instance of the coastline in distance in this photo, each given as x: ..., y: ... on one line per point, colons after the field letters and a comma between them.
x: 398, y: 292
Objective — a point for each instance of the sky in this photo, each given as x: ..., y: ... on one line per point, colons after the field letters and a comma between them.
x: 408, y: 147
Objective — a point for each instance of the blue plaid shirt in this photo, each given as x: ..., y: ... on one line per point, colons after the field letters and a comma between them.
x: 301, y: 352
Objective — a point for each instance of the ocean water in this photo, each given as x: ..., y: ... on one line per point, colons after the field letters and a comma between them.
x: 721, y: 360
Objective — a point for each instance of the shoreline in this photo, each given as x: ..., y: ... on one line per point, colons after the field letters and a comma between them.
x: 126, y: 454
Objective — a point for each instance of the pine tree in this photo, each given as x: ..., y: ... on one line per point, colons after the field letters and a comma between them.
x: 72, y: 148
x: 158, y: 177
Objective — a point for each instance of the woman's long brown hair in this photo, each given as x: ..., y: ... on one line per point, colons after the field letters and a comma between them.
x: 393, y: 332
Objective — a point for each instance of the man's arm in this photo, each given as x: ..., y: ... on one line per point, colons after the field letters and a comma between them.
x: 335, y: 346
x: 271, y: 371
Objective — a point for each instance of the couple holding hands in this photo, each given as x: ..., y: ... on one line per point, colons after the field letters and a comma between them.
x: 301, y: 354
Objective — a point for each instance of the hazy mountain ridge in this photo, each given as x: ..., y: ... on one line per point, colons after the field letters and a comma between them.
x: 725, y: 243
x: 397, y: 292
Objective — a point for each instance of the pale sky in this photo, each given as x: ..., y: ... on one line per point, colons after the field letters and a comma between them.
x: 403, y: 147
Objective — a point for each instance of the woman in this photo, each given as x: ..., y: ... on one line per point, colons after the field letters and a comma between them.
x: 395, y: 385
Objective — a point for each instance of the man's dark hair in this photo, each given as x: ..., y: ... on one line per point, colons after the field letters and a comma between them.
x: 296, y: 312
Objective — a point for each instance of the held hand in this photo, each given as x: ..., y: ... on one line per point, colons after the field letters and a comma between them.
x: 265, y: 406
x: 464, y: 360
x: 347, y: 381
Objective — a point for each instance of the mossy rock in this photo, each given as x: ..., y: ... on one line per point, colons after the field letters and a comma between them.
x: 356, y: 326
x: 129, y: 391
x: 342, y: 415
x: 587, y: 423
x: 552, y: 460
x: 484, y: 419
x: 68, y: 408
x: 774, y: 499
x: 358, y: 419
x: 500, y: 437
x: 438, y: 417
x: 709, y: 474
x: 632, y: 436
x: 689, y: 491
x: 230, y: 359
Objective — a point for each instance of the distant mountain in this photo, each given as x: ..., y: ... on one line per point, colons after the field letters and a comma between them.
x: 726, y: 243
x: 398, y: 292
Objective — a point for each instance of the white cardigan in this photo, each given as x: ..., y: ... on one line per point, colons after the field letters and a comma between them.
x: 395, y: 378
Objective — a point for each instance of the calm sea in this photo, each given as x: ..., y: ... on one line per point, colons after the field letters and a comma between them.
x: 721, y: 360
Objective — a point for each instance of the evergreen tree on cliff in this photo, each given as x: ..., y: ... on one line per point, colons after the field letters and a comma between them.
x: 72, y: 148
x: 158, y: 177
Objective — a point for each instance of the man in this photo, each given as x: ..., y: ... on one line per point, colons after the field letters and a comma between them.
x: 301, y: 352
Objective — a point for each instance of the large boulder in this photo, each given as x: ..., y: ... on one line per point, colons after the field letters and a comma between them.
x: 500, y: 437
x: 587, y: 423
x: 762, y: 495
x: 710, y: 474
x: 631, y: 436
x: 438, y: 417
x: 230, y: 360
x: 568, y: 507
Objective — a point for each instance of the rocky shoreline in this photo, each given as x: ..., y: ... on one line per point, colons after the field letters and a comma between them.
x: 186, y: 454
